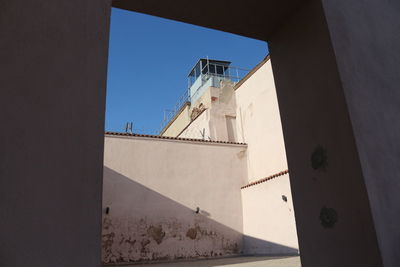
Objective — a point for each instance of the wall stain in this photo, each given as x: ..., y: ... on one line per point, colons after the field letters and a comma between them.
x: 191, y: 233
x: 156, y: 233
x: 241, y: 154
x: 108, y: 240
x: 122, y: 239
x: 144, y: 248
x: 106, y: 223
x: 131, y: 242
x: 126, y: 240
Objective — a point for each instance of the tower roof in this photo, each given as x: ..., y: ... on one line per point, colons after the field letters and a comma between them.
x: 212, y: 61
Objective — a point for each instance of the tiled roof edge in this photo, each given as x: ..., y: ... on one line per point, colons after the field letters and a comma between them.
x: 266, y: 179
x: 172, y: 138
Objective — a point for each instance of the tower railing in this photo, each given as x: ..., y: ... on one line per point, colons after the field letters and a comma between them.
x: 234, y: 74
x: 169, y: 114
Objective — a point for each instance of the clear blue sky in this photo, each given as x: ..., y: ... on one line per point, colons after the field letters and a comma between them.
x: 149, y: 60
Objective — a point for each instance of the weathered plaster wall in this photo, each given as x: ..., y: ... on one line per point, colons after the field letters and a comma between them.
x: 180, y: 127
x: 259, y: 125
x: 53, y: 64
x: 199, y: 125
x: 153, y: 187
x: 268, y: 218
x: 182, y: 119
x: 220, y: 104
x: 269, y: 226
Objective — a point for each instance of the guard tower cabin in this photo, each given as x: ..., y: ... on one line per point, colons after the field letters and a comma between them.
x: 206, y: 73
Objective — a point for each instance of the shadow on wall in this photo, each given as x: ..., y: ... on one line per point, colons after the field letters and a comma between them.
x: 140, y: 224
x: 292, y: 261
x: 262, y: 247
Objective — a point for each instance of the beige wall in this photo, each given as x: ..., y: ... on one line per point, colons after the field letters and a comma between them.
x: 153, y: 186
x: 269, y: 224
x: 217, y: 119
x: 184, y: 175
x: 259, y: 124
x: 199, y: 127
x: 222, y: 107
x: 181, y: 120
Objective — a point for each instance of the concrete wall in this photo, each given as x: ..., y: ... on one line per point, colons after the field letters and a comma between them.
x: 222, y: 109
x: 180, y: 126
x: 259, y: 125
x: 199, y: 127
x: 333, y: 216
x: 268, y: 218
x: 216, y: 120
x: 268, y: 221
x: 365, y: 37
x: 153, y: 187
x: 178, y: 123
x: 53, y: 78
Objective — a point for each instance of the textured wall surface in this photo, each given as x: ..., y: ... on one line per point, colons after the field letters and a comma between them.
x: 259, y: 125
x: 269, y: 226
x: 153, y: 187
x: 365, y: 37
x: 213, y: 123
x: 199, y: 127
x: 52, y: 94
x: 333, y: 216
x: 268, y: 221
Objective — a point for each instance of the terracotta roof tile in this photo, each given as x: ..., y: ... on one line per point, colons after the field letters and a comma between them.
x: 266, y: 179
x: 171, y: 138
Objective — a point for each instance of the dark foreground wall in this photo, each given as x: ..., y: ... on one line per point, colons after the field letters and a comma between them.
x: 336, y: 70
x: 314, y: 115
x: 366, y: 38
x: 52, y: 92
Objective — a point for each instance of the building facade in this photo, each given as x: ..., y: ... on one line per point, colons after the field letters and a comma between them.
x: 218, y: 182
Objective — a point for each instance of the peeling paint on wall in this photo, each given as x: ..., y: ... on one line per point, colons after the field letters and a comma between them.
x: 171, y: 200
x: 127, y: 240
x: 156, y: 233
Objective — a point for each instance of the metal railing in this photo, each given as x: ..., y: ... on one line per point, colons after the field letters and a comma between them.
x: 235, y: 74
x: 169, y: 114
x: 210, y: 70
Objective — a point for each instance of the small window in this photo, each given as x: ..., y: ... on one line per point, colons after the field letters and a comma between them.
x: 212, y: 68
x: 220, y: 70
x: 197, y: 70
